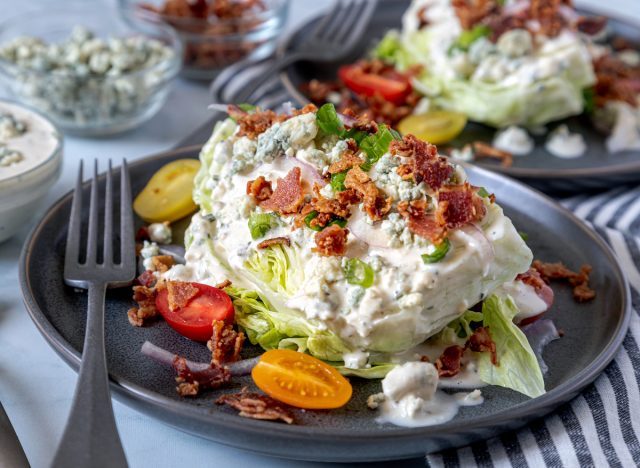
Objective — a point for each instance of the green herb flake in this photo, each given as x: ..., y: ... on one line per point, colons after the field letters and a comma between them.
x: 524, y: 235
x: 483, y: 192
x: 470, y: 36
x: 337, y: 181
x: 358, y: 273
x: 260, y: 224
x: 438, y: 254
x: 589, y: 100
x: 375, y: 146
x: 328, y: 120
x: 247, y: 107
x: 310, y: 217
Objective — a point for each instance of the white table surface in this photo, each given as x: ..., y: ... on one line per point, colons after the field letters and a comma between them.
x: 36, y: 386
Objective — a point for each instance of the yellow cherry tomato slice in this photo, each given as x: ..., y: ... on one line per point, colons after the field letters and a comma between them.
x: 168, y: 194
x: 434, y: 127
x: 301, y: 380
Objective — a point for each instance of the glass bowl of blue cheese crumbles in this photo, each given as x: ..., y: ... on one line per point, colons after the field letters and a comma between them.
x: 89, y: 70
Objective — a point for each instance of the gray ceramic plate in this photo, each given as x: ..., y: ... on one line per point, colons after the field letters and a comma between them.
x: 597, y: 169
x: 593, y: 332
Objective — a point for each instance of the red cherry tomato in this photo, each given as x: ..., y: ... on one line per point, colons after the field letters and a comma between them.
x: 194, y: 320
x: 392, y: 86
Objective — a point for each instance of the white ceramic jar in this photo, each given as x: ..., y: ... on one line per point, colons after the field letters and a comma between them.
x: 34, y: 167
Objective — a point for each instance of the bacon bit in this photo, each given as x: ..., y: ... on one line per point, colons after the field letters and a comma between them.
x: 190, y: 382
x: 375, y: 205
x: 423, y: 21
x: 480, y: 341
x: 348, y: 159
x: 591, y: 25
x: 331, y: 241
x: 254, y: 123
x: 448, y: 364
x: 532, y: 278
x: 274, y: 241
x: 328, y: 209
x: 426, y: 165
x: 309, y: 108
x: 142, y: 234
x: 225, y: 344
x: 471, y: 12
x: 162, y: 263
x: 146, y: 299
x: 257, y: 406
x: 179, y: 294
x: 349, y: 197
x: 485, y: 150
x: 558, y: 271
x: 548, y: 14
x: 617, y: 81
x: 365, y: 124
x: 288, y: 195
x: 225, y: 284
x: 260, y: 189
x: 146, y: 279
x: 459, y: 205
x: 420, y: 222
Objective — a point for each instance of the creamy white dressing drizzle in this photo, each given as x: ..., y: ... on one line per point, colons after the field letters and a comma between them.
x: 565, y: 144
x: 515, y: 140
x: 529, y: 303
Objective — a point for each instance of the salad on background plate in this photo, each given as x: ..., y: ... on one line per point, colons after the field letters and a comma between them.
x: 520, y: 67
x: 343, y: 251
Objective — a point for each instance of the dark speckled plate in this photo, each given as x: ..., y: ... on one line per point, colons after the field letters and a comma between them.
x: 595, y: 170
x: 593, y: 332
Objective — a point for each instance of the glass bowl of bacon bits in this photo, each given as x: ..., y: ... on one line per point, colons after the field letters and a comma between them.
x: 216, y: 33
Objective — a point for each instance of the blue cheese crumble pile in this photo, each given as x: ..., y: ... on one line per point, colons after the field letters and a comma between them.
x: 87, y: 79
x: 10, y: 127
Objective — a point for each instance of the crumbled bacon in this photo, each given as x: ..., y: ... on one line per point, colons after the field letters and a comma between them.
x: 348, y: 159
x: 374, y: 203
x: 162, y: 263
x: 331, y: 241
x: 225, y: 344
x: 617, y: 81
x: 190, y: 382
x: 472, y: 12
x: 226, y: 283
x: 420, y: 222
x: 448, y: 364
x: 146, y: 299
x: 549, y: 16
x: 485, y: 150
x: 274, y: 241
x: 480, y: 341
x: 349, y: 197
x: 327, y: 209
x: 146, y: 279
x: 425, y: 163
x: 257, y: 406
x: 591, y: 25
x: 260, y: 189
x: 252, y: 124
x: 558, y: 271
x: 459, y: 205
x: 179, y: 294
x: 288, y: 195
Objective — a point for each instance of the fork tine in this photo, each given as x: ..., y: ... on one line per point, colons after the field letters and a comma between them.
x: 326, y: 20
x: 336, y: 20
x: 75, y: 223
x: 347, y: 21
x: 362, y: 20
x: 92, y: 236
x: 108, y: 219
x: 127, y: 241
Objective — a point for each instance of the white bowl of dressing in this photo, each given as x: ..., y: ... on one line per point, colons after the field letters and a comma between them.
x: 25, y: 182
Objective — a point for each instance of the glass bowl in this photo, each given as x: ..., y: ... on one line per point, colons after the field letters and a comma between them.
x: 212, y: 43
x: 90, y: 86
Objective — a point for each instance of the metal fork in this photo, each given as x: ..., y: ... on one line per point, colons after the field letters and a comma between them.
x: 334, y: 37
x: 90, y: 437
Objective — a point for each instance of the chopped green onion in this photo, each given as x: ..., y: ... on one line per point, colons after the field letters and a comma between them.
x: 328, y: 120
x: 358, y: 272
x: 470, y: 36
x: 438, y: 254
x: 260, y: 224
x: 314, y: 214
x: 337, y: 181
x: 589, y: 100
x: 247, y: 107
x: 524, y: 235
x: 483, y: 192
x: 375, y: 146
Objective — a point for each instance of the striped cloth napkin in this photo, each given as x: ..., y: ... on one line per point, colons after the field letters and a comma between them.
x: 601, y: 427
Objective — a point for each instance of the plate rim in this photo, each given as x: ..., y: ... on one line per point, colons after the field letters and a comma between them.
x: 133, y: 395
x: 518, y: 172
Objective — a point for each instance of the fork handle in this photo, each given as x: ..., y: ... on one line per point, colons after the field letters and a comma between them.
x: 265, y: 75
x: 90, y: 438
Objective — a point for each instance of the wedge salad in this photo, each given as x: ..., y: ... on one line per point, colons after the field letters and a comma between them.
x: 339, y: 238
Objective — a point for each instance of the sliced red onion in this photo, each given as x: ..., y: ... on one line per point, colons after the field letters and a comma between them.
x: 540, y: 333
x: 346, y: 120
x: 216, y: 106
x: 307, y: 171
x: 372, y: 235
x: 513, y: 9
x: 546, y: 294
x: 486, y: 250
x: 165, y: 357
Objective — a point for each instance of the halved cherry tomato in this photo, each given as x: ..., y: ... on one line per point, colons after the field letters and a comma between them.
x: 195, y: 320
x: 167, y: 195
x: 435, y: 127
x: 301, y: 380
x: 392, y: 86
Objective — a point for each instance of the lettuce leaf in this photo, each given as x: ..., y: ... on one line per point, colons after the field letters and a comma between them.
x: 517, y: 367
x: 279, y: 267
